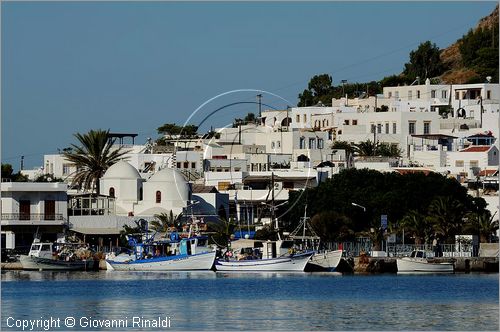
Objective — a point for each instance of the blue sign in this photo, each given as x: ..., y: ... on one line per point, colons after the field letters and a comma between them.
x: 383, y: 221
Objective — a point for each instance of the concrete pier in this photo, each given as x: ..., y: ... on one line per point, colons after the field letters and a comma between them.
x: 388, y: 264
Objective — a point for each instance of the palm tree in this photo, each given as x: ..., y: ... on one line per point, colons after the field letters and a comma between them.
x: 419, y: 225
x: 366, y: 148
x: 483, y: 224
x: 163, y: 222
x: 95, y: 155
x: 347, y: 147
x: 447, y: 215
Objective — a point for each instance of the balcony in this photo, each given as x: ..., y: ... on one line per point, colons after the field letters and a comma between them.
x: 32, y: 219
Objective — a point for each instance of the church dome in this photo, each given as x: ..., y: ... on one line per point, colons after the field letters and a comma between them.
x: 122, y: 170
x: 168, y: 175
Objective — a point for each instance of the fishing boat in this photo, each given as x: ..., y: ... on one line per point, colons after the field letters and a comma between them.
x: 305, y: 238
x: 261, y: 256
x: 58, y: 256
x: 165, y: 254
x: 418, y: 261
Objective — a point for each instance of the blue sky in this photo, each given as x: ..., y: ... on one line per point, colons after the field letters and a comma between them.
x: 130, y: 67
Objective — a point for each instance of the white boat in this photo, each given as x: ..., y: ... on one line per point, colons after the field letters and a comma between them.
x: 187, y: 254
x: 292, y: 263
x: 418, y: 262
x: 261, y: 256
x: 306, y: 238
x: 328, y: 259
x: 57, y: 256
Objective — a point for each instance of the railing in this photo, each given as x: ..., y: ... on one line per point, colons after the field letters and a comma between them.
x: 32, y: 216
x: 354, y: 249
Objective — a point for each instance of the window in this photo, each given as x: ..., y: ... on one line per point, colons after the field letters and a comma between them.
x: 427, y: 127
x: 186, y: 164
x: 474, y: 163
x: 66, y: 169
x: 433, y: 93
x: 387, y: 127
x: 278, y: 144
x: 372, y: 128
x: 178, y: 165
x: 320, y: 143
x: 457, y: 95
x: 305, y: 118
x: 459, y: 163
x: 444, y: 94
x: 297, y: 118
x: 111, y: 192
x: 394, y: 127
x: 272, y: 145
x: 302, y: 143
x: 346, y: 122
x: 158, y: 196
x: 379, y: 128
x: 409, y: 95
x: 488, y: 94
x: 390, y: 94
x: 411, y: 127
x: 418, y: 94
x: 193, y: 165
x: 312, y: 143
x: 354, y: 122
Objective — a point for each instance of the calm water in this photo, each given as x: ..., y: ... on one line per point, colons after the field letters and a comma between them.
x: 213, y: 301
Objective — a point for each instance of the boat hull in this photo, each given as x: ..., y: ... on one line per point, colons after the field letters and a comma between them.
x: 202, y: 261
x: 37, y: 263
x: 408, y: 265
x: 295, y: 263
x: 327, y: 260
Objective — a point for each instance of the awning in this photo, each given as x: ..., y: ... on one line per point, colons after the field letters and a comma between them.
x: 434, y: 136
x: 97, y: 231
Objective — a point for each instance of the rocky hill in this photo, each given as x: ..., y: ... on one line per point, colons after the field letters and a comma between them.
x: 452, y: 58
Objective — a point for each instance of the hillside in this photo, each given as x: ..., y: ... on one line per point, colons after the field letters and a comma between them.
x: 452, y: 57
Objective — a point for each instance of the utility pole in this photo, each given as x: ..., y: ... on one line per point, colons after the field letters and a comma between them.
x: 259, y: 99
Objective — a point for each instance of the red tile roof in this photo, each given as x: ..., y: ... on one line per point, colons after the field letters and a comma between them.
x: 476, y: 148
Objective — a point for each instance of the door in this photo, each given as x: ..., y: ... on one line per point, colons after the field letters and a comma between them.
x: 24, y: 210
x: 50, y: 209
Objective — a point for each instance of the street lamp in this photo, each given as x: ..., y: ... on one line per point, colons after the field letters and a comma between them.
x: 360, y: 206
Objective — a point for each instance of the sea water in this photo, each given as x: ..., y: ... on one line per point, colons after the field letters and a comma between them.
x: 115, y: 300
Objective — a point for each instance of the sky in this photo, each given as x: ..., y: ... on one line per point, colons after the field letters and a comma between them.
x: 69, y: 67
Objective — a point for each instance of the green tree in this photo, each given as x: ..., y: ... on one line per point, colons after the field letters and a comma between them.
x: 319, y: 89
x: 93, y: 157
x: 332, y: 226
x: 8, y: 173
x: 425, y: 62
x: 419, y: 226
x: 48, y: 178
x: 447, y: 215
x: 366, y: 148
x: 250, y: 117
x: 171, y: 129
x: 388, y: 150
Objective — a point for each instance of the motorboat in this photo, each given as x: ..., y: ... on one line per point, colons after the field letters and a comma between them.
x: 418, y: 261
x: 261, y: 256
x: 58, y: 256
x: 172, y: 254
x: 326, y: 260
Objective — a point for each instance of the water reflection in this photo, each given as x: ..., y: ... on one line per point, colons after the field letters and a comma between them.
x: 261, y: 301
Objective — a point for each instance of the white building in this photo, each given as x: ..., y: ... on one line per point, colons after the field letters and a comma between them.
x: 30, y: 207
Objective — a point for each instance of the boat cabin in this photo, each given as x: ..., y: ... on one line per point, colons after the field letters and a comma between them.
x: 418, y: 254
x: 41, y: 250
